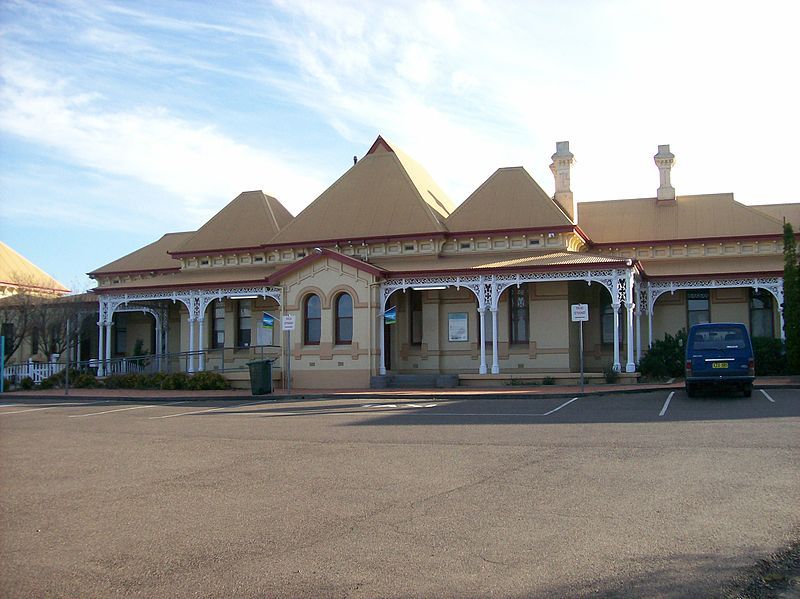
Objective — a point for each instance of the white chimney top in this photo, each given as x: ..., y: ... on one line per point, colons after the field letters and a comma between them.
x: 664, y: 161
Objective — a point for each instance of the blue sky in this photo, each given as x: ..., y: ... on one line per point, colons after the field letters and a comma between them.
x: 120, y: 121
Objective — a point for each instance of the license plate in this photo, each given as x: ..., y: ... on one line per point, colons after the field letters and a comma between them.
x: 719, y: 365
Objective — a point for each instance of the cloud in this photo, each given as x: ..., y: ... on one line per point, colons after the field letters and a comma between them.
x: 194, y: 162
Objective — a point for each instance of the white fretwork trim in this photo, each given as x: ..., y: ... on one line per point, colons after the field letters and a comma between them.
x: 195, y: 300
x: 774, y: 285
x: 488, y: 290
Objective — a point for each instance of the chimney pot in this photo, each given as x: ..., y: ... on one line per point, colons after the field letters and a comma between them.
x: 664, y: 161
x: 562, y: 163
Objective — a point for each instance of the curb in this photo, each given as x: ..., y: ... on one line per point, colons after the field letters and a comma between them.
x: 381, y: 395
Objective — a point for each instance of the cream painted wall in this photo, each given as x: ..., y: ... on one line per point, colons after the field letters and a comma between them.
x: 323, y: 365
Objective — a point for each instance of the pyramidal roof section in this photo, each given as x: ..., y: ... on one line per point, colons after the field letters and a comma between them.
x: 17, y: 272
x: 509, y: 199
x: 249, y: 221
x: 152, y: 257
x: 384, y: 194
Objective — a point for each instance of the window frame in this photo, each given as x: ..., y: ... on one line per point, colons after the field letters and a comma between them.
x: 607, y: 311
x: 415, y: 322
x: 307, y: 319
x: 519, y: 313
x: 241, y: 327
x: 765, y: 297
x: 217, y: 304
x: 690, y: 311
x: 339, y: 319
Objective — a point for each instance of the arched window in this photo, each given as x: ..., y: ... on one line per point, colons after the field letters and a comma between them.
x: 344, y: 319
x: 312, y: 320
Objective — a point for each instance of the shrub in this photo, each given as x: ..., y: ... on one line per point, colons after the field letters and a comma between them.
x: 611, y: 375
x: 207, y: 381
x: 666, y: 358
x: 770, y: 355
x: 84, y: 380
x: 175, y: 380
x: 548, y: 380
x: 26, y: 383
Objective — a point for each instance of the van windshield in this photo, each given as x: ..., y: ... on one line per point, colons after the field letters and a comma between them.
x: 719, y: 338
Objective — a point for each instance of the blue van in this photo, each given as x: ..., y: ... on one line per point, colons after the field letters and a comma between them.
x: 719, y: 353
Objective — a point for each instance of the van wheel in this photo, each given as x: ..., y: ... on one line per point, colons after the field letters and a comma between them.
x: 747, y: 391
x: 691, y: 389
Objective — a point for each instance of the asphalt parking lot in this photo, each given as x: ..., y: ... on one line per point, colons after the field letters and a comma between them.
x: 650, y: 494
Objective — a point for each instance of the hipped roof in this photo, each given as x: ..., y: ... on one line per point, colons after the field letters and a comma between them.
x: 509, y: 199
x: 18, y: 271
x: 385, y: 194
x: 249, y: 221
x: 152, y: 257
x: 690, y: 217
x: 791, y: 212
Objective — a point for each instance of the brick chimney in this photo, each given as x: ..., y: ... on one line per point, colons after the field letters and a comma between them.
x: 562, y: 162
x: 664, y: 161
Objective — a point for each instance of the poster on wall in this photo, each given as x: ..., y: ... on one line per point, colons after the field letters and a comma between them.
x: 264, y: 333
x: 457, y: 326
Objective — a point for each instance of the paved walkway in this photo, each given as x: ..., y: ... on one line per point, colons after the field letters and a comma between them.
x: 790, y: 382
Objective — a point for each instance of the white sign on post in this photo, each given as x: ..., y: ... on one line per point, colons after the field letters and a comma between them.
x: 287, y: 322
x: 580, y: 312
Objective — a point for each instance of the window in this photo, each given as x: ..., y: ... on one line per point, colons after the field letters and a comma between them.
x: 8, y: 332
x: 218, y: 324
x: 518, y: 313
x: 697, y: 307
x: 607, y: 321
x: 761, y: 319
x: 34, y: 340
x: 121, y: 338
x: 415, y: 317
x: 344, y: 319
x: 312, y: 320
x: 244, y: 328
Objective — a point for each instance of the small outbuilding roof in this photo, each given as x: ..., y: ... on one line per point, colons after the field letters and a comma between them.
x: 385, y: 194
x: 510, y: 199
x: 16, y: 271
x: 689, y: 217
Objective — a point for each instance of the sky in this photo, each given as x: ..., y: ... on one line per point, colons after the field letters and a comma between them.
x: 122, y: 121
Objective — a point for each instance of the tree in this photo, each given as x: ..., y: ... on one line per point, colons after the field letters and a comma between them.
x: 791, y: 299
x: 38, y: 319
x: 16, y: 319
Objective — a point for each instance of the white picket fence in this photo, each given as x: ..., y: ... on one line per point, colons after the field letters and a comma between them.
x: 35, y: 370
x: 38, y: 371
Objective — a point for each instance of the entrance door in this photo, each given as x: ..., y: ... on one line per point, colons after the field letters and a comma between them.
x: 387, y: 346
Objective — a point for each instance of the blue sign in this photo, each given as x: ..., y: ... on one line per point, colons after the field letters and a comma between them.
x: 390, y: 316
x: 267, y: 320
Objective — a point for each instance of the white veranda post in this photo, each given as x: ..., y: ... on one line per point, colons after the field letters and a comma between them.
x: 630, y: 366
x: 482, y: 337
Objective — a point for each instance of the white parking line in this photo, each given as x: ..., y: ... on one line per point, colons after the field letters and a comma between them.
x: 561, y: 406
x: 109, y: 411
x: 666, y: 404
x: 767, y: 395
x: 253, y: 403
x: 97, y: 403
